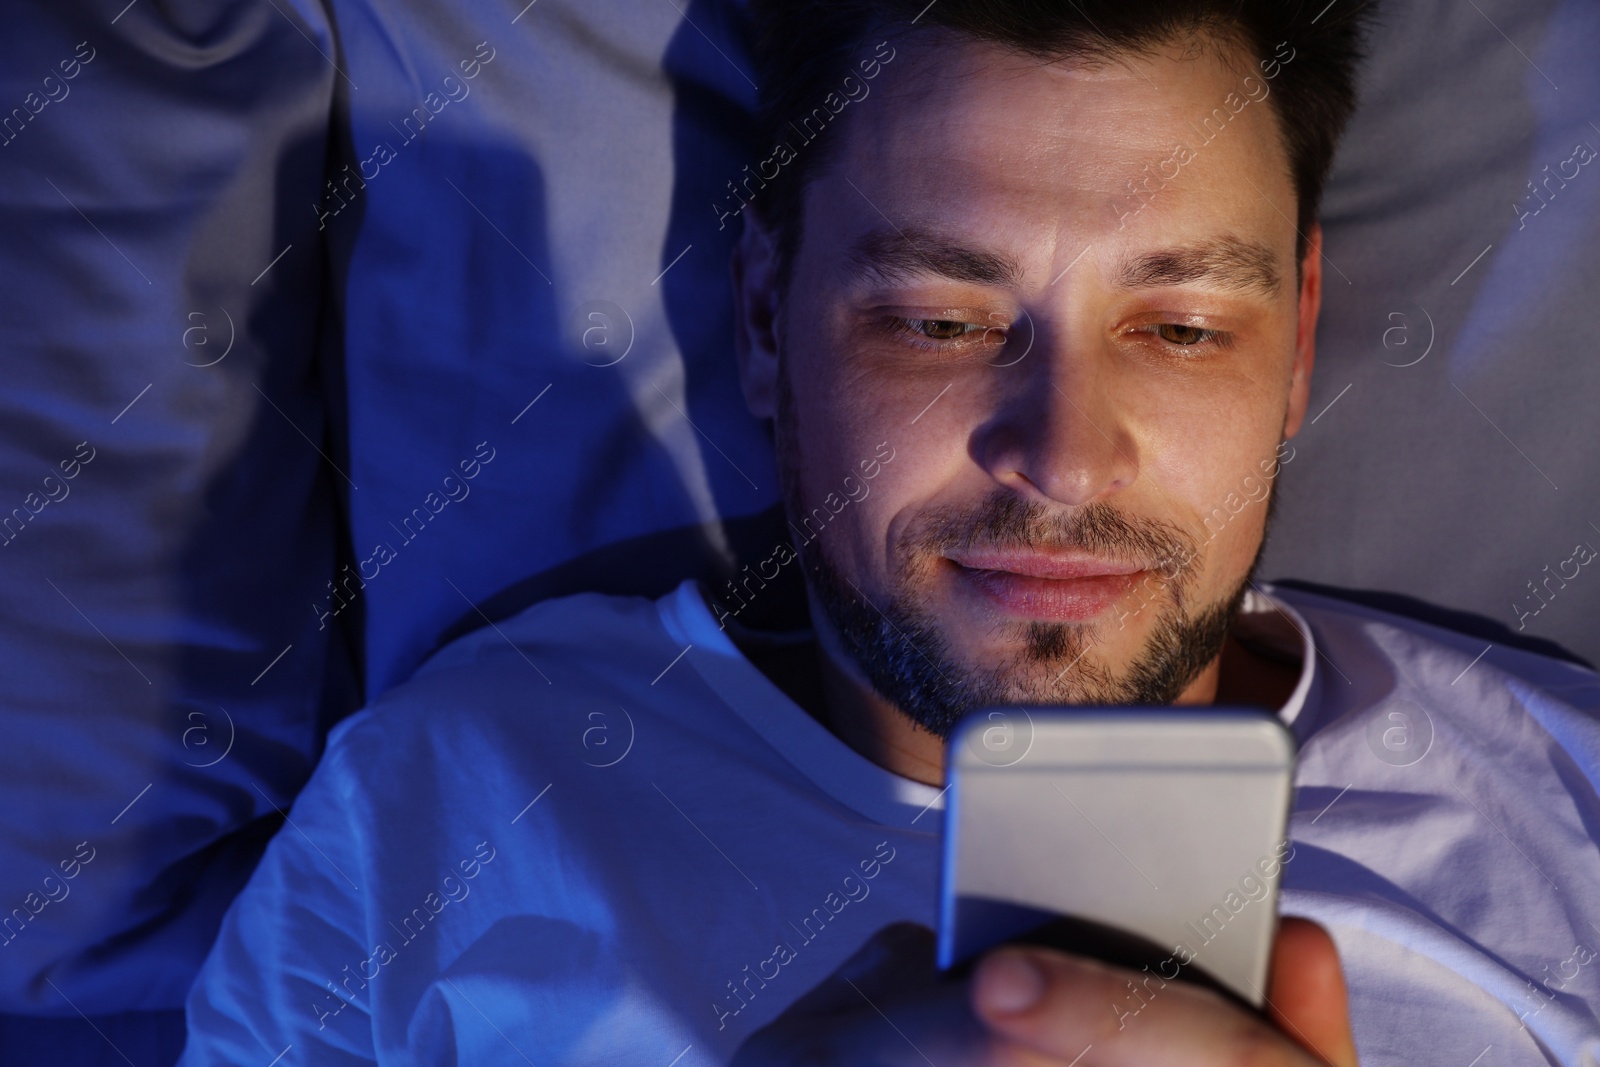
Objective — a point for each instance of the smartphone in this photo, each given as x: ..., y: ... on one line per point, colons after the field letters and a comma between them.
x: 1150, y: 838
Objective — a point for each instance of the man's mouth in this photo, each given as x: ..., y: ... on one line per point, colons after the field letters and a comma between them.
x: 1049, y: 586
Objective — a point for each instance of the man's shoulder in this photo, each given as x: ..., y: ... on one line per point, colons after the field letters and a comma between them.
x: 1350, y: 634
x: 580, y: 631
x: 561, y: 666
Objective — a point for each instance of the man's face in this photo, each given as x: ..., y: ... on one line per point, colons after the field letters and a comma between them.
x: 1083, y: 384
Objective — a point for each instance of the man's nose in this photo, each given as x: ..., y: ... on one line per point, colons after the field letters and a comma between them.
x: 1057, y: 430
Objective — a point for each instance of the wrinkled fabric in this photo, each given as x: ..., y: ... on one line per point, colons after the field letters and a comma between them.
x: 164, y: 511
x: 528, y: 265
x: 597, y: 834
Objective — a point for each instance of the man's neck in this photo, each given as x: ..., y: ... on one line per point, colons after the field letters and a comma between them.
x: 813, y: 676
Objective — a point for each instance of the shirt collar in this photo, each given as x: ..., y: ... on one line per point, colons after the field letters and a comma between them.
x: 1270, y: 625
x: 1265, y: 622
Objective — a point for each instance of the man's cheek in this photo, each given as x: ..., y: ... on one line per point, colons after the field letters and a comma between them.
x: 870, y: 539
x: 1228, y: 558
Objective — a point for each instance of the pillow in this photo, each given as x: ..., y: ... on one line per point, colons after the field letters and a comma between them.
x: 1451, y: 453
x: 532, y: 280
x: 165, y: 514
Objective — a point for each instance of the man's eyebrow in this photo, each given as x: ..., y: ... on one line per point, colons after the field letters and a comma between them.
x: 1226, y: 263
x: 907, y: 253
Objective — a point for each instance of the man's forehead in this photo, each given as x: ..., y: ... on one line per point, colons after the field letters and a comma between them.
x: 964, y: 84
x: 981, y: 151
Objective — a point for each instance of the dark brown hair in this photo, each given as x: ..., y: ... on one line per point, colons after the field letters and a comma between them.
x: 805, y: 49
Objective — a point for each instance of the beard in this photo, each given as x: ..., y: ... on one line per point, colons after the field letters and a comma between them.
x: 903, y: 650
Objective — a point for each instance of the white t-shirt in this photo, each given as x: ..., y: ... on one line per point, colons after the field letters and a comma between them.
x: 596, y: 834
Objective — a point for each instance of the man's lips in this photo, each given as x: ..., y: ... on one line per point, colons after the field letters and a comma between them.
x: 1058, y: 587
x: 1058, y: 566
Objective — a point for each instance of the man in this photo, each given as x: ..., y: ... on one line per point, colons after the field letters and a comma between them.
x: 1031, y: 300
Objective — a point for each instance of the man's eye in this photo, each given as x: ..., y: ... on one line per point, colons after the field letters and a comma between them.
x: 1179, y: 334
x: 940, y: 329
x: 938, y: 332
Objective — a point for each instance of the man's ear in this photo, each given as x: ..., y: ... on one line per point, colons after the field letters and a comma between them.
x: 755, y: 315
x: 1305, y: 341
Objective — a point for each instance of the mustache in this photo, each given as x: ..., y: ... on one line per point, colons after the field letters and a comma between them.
x: 1003, y: 520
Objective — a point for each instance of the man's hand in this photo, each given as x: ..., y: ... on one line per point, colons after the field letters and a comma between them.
x: 1034, y: 1007
x: 1043, y: 1007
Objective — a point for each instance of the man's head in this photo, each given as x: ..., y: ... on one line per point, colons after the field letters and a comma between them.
x: 1061, y: 263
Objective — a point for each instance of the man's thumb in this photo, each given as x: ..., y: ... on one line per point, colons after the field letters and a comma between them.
x: 1306, y: 993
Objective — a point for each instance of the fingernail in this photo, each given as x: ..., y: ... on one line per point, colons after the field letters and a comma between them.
x: 1009, y: 982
